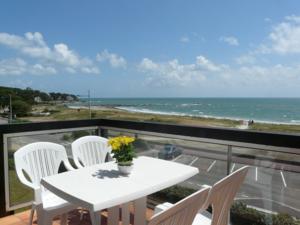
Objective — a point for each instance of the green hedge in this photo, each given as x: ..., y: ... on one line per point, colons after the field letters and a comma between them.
x: 240, y: 214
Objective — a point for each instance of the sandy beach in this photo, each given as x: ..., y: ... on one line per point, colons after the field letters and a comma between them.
x: 62, y: 112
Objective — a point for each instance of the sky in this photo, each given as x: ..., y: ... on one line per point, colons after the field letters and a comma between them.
x: 139, y: 48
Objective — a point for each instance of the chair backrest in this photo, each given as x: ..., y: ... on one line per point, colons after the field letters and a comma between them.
x: 38, y: 160
x: 222, y: 193
x: 90, y: 150
x: 183, y: 212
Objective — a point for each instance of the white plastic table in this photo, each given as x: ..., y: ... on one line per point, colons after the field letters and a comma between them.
x: 102, y: 186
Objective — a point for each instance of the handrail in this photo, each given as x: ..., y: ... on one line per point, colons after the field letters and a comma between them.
x: 276, y: 139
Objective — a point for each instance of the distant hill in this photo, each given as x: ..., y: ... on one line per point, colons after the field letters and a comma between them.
x: 23, y: 99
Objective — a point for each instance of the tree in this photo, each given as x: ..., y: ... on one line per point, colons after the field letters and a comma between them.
x: 20, y: 108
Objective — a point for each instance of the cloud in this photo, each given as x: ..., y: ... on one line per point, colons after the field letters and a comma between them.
x: 285, y: 36
x: 20, y: 83
x: 114, y: 60
x: 18, y: 66
x: 230, y: 40
x: 148, y: 65
x: 184, y: 39
x: 59, y: 56
x: 267, y: 20
x: 268, y: 76
x: 256, y: 72
x: 203, y: 72
x: 206, y: 64
x: 173, y: 73
x: 245, y: 59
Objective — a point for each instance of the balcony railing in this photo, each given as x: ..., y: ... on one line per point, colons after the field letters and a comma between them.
x: 272, y: 185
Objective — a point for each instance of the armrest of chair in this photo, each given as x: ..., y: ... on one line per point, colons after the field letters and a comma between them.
x: 166, y: 205
x: 162, y: 207
x: 206, y: 186
x: 24, y: 180
x: 36, y: 188
x: 68, y: 165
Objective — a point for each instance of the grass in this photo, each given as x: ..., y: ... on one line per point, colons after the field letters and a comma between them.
x: 18, y: 192
x: 276, y: 127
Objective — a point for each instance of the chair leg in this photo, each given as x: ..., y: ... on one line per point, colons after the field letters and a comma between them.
x: 40, y: 215
x: 44, y: 219
x: 64, y: 219
x: 81, y: 211
x: 31, y: 214
x: 47, y: 220
x: 95, y: 218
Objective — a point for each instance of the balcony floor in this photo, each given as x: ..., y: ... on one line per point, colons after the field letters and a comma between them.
x: 73, y: 218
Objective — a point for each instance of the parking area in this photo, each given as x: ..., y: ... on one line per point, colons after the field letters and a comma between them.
x: 266, y: 188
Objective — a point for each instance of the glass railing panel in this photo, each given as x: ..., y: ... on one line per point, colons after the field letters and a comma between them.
x: 209, y: 158
x: 18, y: 194
x: 270, y: 194
x: 271, y: 191
x: 271, y: 188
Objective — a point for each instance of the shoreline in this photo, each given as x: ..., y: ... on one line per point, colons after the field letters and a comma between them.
x: 153, y: 112
x: 64, y: 112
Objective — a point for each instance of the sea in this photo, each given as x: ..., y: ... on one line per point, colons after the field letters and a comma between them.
x: 267, y: 110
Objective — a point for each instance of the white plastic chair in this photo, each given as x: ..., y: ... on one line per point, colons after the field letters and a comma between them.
x: 35, y: 161
x: 221, y: 197
x: 183, y: 212
x: 90, y: 150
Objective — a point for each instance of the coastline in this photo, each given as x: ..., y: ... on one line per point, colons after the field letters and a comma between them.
x: 152, y: 112
x: 63, y: 112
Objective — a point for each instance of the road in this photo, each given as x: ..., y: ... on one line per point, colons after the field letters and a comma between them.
x: 3, y: 120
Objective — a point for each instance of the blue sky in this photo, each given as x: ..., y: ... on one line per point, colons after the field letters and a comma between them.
x: 152, y: 48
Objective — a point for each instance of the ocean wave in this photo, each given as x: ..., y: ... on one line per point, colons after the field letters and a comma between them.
x: 133, y: 109
x: 295, y: 121
x: 149, y: 111
x: 190, y: 104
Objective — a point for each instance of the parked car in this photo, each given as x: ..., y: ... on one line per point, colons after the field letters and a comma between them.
x: 169, y: 152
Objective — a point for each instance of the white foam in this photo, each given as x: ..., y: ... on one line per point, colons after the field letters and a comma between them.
x: 148, y: 111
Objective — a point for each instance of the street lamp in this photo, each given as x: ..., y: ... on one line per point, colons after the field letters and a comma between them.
x: 89, y: 101
x: 10, y: 109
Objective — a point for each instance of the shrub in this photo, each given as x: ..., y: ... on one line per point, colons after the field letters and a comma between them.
x: 45, y: 110
x: 66, y: 137
x: 20, y: 108
x: 174, y: 193
x: 283, y: 219
x: 240, y: 214
x: 11, y: 162
x: 80, y: 133
x: 93, y: 114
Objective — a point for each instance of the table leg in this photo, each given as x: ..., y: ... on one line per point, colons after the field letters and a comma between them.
x: 113, y: 215
x: 140, y: 207
x: 125, y: 213
x: 95, y: 217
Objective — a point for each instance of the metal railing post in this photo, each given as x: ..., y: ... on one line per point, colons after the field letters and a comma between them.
x: 102, y: 132
x: 229, y: 159
x: 2, y: 179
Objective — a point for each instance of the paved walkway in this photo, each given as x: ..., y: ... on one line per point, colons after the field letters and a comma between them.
x: 3, y: 120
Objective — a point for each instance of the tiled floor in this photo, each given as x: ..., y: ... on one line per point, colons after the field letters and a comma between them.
x: 73, y: 218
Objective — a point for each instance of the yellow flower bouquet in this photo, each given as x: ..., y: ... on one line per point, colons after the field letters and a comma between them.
x: 122, y: 149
